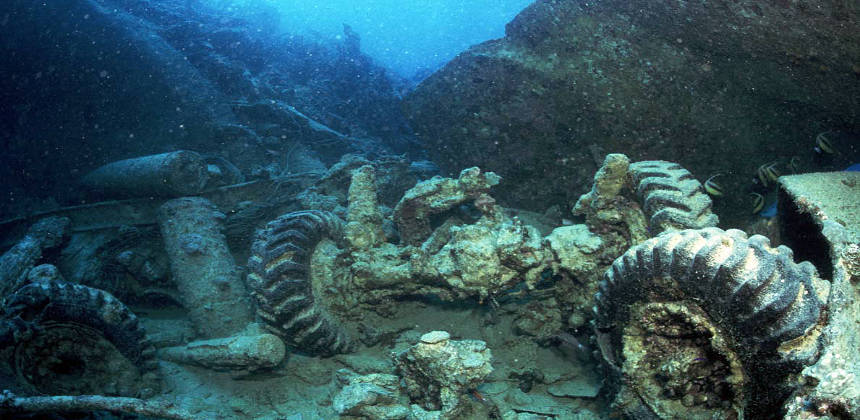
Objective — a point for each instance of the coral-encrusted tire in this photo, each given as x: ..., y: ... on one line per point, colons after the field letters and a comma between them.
x: 672, y: 198
x: 74, y: 339
x: 279, y: 275
x: 709, y: 322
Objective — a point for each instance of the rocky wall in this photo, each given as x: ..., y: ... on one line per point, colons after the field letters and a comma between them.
x: 715, y: 86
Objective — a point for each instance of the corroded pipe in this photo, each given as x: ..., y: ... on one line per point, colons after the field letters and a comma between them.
x: 363, y: 229
x: 203, y: 268
x: 172, y: 174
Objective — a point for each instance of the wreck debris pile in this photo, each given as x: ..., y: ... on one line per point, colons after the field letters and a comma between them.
x: 699, y: 320
x: 439, y: 372
x: 375, y: 396
x: 460, y: 255
x: 635, y: 305
x: 436, y: 195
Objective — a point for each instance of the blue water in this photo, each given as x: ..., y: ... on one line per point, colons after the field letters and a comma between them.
x: 770, y: 211
x: 404, y: 36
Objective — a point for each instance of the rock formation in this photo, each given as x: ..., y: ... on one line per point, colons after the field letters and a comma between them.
x: 714, y: 86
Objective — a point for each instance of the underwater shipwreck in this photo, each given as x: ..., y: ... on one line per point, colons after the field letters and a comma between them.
x: 617, y: 210
x: 437, y: 303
